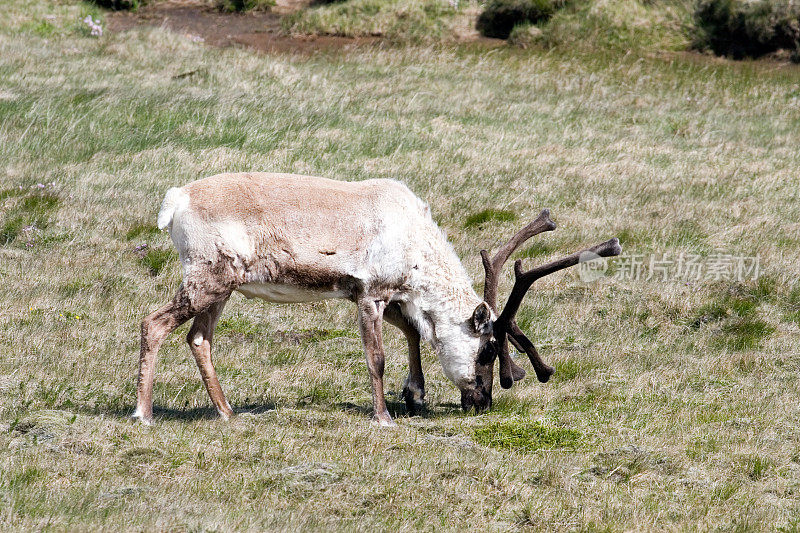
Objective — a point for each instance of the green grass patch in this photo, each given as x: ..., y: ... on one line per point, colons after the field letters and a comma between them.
x: 489, y: 215
x: 42, y: 28
x: 400, y: 20
x: 628, y: 237
x: 143, y: 230
x: 724, y: 491
x: 686, y: 233
x: 319, y: 394
x: 537, y: 249
x: 11, y: 193
x: 571, y: 369
x: 791, y: 305
x: 11, y: 228
x: 737, y: 300
x: 239, y: 325
x: 507, y: 404
x: 156, y: 259
x: 525, y: 435
x: 743, y: 334
x: 23, y: 477
x: 755, y: 467
x: 592, y: 26
x: 701, y: 448
x: 27, y: 214
x: 734, y: 312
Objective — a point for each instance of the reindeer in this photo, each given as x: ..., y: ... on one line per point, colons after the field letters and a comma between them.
x: 288, y: 238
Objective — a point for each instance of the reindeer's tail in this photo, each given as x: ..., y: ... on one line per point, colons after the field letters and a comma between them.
x: 175, y: 199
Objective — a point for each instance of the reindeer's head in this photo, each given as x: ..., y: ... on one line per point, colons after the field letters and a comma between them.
x: 496, y: 334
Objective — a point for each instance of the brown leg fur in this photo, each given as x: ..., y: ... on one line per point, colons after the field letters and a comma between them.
x: 370, y: 316
x: 199, y: 338
x: 155, y: 328
x: 414, y: 387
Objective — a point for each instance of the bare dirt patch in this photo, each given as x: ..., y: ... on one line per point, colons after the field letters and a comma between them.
x: 259, y: 30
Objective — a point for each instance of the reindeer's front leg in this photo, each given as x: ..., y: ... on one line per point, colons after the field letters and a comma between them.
x: 414, y: 387
x: 370, y: 317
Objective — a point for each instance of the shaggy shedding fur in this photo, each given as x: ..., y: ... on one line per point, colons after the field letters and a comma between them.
x: 288, y: 238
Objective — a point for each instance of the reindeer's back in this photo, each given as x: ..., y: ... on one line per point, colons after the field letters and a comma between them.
x: 299, y: 229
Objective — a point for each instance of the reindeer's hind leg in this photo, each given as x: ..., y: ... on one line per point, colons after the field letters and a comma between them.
x: 199, y: 339
x: 414, y: 386
x: 155, y: 328
x: 370, y: 317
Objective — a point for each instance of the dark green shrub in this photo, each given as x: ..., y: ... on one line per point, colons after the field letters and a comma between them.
x: 244, y: 5
x: 500, y: 16
x: 742, y: 28
x: 121, y: 5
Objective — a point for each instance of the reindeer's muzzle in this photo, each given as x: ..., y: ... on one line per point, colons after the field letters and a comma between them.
x: 477, y: 397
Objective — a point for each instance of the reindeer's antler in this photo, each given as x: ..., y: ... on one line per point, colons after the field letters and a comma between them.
x: 509, y: 370
x: 506, y: 323
x: 524, y: 280
x: 505, y: 327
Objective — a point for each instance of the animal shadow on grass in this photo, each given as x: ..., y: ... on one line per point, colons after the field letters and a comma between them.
x: 208, y: 413
x: 398, y: 409
x: 188, y: 414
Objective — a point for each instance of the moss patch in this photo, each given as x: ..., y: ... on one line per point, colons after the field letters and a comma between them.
x: 524, y: 435
x: 155, y: 259
x: 489, y: 215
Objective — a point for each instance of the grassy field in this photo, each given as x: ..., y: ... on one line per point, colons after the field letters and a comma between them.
x: 675, y: 403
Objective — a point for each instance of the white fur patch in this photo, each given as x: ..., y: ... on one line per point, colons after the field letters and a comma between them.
x: 387, y: 257
x: 457, y: 350
x: 416, y: 392
x: 137, y: 415
x: 234, y: 236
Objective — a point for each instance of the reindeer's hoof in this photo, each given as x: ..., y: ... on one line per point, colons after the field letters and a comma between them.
x: 384, y: 421
x: 415, y: 399
x: 544, y: 374
x: 137, y: 416
x: 415, y: 408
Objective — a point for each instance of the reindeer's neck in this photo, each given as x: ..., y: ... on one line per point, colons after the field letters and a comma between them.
x: 440, y: 297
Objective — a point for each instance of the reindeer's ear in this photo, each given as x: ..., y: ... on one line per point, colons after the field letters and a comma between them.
x: 482, y: 319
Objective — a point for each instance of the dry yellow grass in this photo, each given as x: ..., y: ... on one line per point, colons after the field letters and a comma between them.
x: 684, y: 396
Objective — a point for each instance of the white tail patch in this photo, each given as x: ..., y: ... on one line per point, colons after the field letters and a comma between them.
x: 174, y: 199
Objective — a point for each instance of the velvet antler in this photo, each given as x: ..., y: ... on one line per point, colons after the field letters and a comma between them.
x: 505, y: 326
x: 510, y: 371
